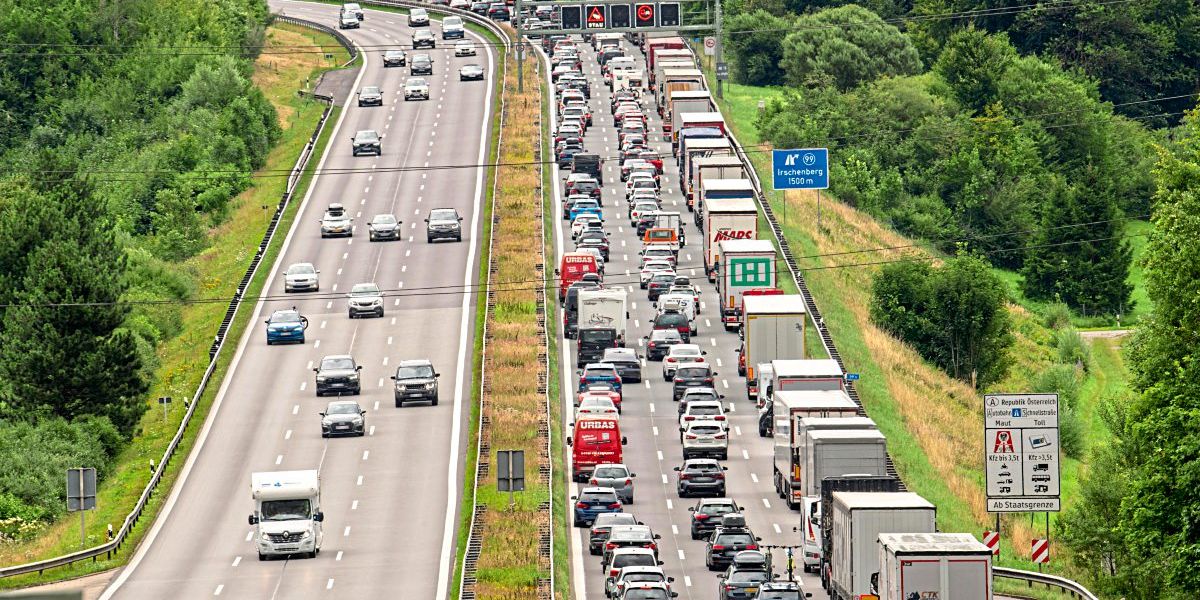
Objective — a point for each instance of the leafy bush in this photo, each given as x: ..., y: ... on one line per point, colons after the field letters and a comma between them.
x: 34, y: 459
x: 1057, y: 316
x: 1072, y: 349
x: 1064, y: 381
x: 847, y: 45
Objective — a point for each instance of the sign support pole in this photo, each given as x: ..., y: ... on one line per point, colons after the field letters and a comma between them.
x: 520, y: 49
x: 82, y: 512
x: 720, y: 55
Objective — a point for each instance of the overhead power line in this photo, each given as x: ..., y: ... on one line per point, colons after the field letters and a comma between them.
x: 503, y: 287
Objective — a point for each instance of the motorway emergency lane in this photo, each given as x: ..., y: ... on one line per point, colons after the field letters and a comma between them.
x: 650, y: 419
x: 388, y: 496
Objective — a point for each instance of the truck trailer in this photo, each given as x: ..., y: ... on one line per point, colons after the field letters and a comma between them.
x: 746, y: 265
x: 773, y: 329
x: 704, y: 168
x: 685, y: 101
x: 948, y: 566
x: 787, y: 408
x: 857, y: 520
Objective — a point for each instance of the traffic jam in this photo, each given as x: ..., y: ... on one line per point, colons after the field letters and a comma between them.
x: 713, y: 452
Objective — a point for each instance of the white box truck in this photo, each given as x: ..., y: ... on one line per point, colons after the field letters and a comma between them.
x: 773, y: 328
x: 948, y: 566
x: 726, y: 219
x: 809, y: 374
x: 810, y: 506
x: 787, y: 409
x: 710, y: 167
x: 287, y: 513
x: 837, y: 452
x: 746, y: 265
x: 857, y: 520
x: 673, y: 79
x: 702, y: 148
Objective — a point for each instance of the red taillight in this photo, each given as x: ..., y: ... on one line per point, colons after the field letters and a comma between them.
x: 699, y: 360
x: 596, y: 532
x: 615, y: 505
x: 593, y: 482
x: 719, y: 436
x: 652, y: 344
x: 651, y: 546
x: 612, y: 572
x: 719, y: 476
x: 690, y: 436
x: 581, y: 505
x: 708, y: 380
x: 701, y: 517
x: 729, y: 588
x: 718, y: 547
x: 628, y: 482
x: 719, y: 418
x: 669, y: 359
x: 609, y: 546
x: 752, y: 547
x: 684, y: 476
x: 689, y: 418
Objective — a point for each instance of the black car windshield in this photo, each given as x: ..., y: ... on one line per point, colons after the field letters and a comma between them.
x: 443, y: 214
x: 671, y: 320
x: 666, y: 335
x: 704, y: 468
x: 370, y: 89
x: 419, y: 372
x: 644, y: 577
x: 591, y: 335
x: 729, y: 539
x: 343, y: 408
x: 717, y: 509
x: 609, y: 472
x: 301, y: 270
x: 634, y: 560
x: 747, y: 577
x: 337, y: 364
x: 384, y: 220
x: 598, y: 498
x: 367, y: 136
x: 284, y: 510
x: 687, y: 372
x: 705, y: 429
x: 285, y: 317
x: 704, y: 410
x: 364, y: 289
x: 779, y: 595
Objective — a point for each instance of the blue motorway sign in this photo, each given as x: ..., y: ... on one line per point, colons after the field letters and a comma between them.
x: 801, y: 169
x: 851, y: 376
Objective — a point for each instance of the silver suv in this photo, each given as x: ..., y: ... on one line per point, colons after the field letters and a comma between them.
x: 616, y: 476
x: 416, y: 380
x: 443, y: 223
x: 364, y: 299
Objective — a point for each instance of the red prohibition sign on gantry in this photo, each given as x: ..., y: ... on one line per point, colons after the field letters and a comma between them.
x: 645, y: 12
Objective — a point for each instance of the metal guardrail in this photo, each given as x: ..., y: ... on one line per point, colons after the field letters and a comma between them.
x: 122, y: 535
x: 1046, y: 579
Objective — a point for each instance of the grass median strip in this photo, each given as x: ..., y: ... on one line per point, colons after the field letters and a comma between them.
x: 514, y: 398
x: 217, y: 271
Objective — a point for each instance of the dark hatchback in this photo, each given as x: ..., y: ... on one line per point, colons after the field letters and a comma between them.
x: 701, y: 477
x: 659, y: 342
x: 692, y: 375
x: 724, y: 543
x: 601, y: 528
x: 593, y: 502
x: 707, y: 513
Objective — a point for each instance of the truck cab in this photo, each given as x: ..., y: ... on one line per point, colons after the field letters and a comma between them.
x: 287, y: 513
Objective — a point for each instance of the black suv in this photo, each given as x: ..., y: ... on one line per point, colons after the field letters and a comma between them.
x: 707, y: 513
x: 659, y: 342
x: 701, y: 476
x: 590, y: 164
x: 416, y: 380
x: 627, y: 362
x: 443, y: 223
x: 421, y: 64
x: 726, y: 541
x: 602, y: 526
x: 367, y: 141
x: 338, y: 375
x: 689, y: 376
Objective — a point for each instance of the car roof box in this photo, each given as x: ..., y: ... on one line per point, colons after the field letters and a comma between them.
x: 733, y: 520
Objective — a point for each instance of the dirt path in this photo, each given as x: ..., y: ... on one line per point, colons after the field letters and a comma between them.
x: 1105, y: 333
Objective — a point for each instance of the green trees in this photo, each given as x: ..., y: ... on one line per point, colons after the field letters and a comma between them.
x: 972, y: 63
x: 953, y: 315
x: 754, y: 42
x: 848, y: 45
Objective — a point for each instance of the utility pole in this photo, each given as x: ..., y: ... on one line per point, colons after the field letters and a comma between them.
x: 520, y: 49
x: 720, y: 52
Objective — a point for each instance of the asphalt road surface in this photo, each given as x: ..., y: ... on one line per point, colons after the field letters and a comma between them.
x: 650, y: 419
x: 392, y: 498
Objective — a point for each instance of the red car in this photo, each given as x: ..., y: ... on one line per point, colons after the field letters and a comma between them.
x: 600, y: 390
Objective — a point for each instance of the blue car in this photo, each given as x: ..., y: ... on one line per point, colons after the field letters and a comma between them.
x: 286, y: 326
x: 595, y: 501
x: 585, y: 207
x: 599, y: 373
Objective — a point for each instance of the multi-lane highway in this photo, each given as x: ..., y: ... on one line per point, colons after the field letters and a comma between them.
x: 392, y: 497
x: 649, y: 418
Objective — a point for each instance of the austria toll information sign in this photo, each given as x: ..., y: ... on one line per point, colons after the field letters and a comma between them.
x: 1021, y: 452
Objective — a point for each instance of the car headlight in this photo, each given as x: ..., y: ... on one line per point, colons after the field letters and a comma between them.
x: 354, y: 377
x: 321, y: 379
x: 429, y: 386
x: 358, y: 420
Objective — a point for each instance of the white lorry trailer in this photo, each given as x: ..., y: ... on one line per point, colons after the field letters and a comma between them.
x: 726, y: 219
x: 604, y: 308
x: 810, y: 506
x: 684, y: 101
x: 704, y: 168
x: 810, y: 374
x: 857, y: 520
x: 773, y: 328
x: 287, y: 513
x: 948, y: 566
x: 787, y: 410
x: 746, y: 265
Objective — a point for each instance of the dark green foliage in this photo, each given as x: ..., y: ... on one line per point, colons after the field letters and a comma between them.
x: 953, y: 315
x: 972, y: 63
x: 1063, y: 379
x: 753, y: 41
x: 118, y: 152
x: 847, y: 46
x: 1085, y: 266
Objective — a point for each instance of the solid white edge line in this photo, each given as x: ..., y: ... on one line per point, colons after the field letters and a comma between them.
x: 446, y: 564
x: 176, y: 490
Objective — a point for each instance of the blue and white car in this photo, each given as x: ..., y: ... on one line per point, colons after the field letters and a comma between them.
x: 593, y: 501
x: 584, y: 207
x: 286, y: 326
x: 599, y: 373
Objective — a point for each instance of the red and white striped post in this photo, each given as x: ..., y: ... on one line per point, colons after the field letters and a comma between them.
x: 991, y: 539
x: 1040, y: 551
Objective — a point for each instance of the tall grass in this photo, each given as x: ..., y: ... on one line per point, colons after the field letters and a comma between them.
x: 509, y: 565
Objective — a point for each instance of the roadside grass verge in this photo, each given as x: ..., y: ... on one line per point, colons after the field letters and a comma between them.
x: 217, y: 271
x: 933, y: 423
x: 509, y: 565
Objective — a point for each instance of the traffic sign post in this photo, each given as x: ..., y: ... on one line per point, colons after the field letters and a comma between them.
x: 81, y: 496
x: 801, y: 169
x: 510, y: 472
x: 710, y: 46
x: 991, y: 539
x: 571, y: 16
x: 1021, y: 452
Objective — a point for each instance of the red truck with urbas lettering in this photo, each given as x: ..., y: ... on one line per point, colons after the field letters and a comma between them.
x: 595, y: 440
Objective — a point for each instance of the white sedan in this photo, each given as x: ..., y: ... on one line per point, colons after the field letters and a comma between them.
x: 679, y: 355
x: 581, y: 223
x: 464, y: 48
x: 596, y: 405
x: 652, y: 267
